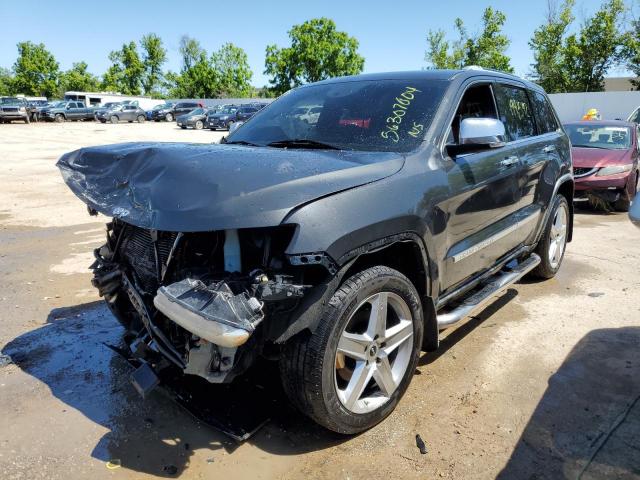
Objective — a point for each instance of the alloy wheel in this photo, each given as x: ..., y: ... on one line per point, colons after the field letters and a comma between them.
x: 373, y: 352
x: 558, y: 236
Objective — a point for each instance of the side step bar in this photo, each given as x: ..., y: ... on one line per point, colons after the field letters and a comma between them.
x: 496, y: 285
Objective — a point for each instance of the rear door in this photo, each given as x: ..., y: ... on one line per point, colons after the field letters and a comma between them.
x: 535, y: 133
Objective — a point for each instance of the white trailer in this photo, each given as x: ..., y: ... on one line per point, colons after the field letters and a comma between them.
x: 97, y: 99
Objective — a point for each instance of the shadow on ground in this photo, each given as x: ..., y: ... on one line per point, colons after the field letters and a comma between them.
x: 71, y: 355
x: 587, y: 424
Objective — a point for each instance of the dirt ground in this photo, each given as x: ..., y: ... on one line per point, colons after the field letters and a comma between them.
x: 542, y: 384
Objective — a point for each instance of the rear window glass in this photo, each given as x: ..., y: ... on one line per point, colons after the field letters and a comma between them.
x: 544, y: 113
x: 515, y: 112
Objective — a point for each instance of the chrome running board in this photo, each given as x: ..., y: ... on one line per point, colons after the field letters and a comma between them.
x: 496, y: 284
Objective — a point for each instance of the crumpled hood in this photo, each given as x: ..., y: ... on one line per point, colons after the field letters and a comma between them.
x: 189, y: 187
x: 599, y: 157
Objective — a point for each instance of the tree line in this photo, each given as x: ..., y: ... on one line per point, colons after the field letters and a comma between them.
x: 564, y: 60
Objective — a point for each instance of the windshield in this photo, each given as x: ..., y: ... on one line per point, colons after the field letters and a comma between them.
x: 227, y: 110
x: 10, y: 100
x: 599, y: 136
x: 197, y: 111
x: 367, y: 115
x: 163, y: 106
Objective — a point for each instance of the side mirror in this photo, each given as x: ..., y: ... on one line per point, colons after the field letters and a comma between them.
x: 634, y: 211
x: 482, y: 132
x: 235, y: 126
x: 68, y: 107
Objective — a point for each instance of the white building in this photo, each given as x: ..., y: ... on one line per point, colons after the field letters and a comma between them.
x: 96, y: 99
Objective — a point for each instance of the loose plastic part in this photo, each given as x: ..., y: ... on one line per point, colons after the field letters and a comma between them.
x: 232, y: 258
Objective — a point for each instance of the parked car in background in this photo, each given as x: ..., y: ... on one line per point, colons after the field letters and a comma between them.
x: 14, y: 108
x: 170, y: 112
x: 162, y: 112
x: 339, y: 249
x: 123, y: 113
x: 605, y: 160
x: 308, y: 114
x: 194, y: 119
x: 103, y: 108
x: 222, y: 118
x: 63, y: 111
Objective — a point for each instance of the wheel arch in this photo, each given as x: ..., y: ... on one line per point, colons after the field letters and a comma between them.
x: 404, y: 252
x: 566, y: 189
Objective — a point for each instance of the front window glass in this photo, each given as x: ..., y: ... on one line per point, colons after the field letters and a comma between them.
x: 599, y: 136
x: 367, y: 115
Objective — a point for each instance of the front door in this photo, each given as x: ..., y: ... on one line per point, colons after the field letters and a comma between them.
x: 486, y: 193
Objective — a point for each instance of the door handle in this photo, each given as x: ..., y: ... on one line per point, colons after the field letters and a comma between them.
x: 509, y: 161
x: 549, y: 149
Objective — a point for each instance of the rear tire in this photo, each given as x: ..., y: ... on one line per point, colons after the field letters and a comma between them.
x: 552, y: 245
x: 345, y: 377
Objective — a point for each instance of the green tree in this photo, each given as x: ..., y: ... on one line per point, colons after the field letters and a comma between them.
x: 486, y: 49
x: 579, y: 62
x: 548, y: 49
x: 154, y: 55
x: 78, y: 78
x: 35, y: 70
x: 191, y: 52
x: 232, y: 71
x: 126, y: 73
x: 318, y: 51
x: 6, y: 82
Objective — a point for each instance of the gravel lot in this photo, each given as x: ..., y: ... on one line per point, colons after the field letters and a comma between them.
x: 541, y: 384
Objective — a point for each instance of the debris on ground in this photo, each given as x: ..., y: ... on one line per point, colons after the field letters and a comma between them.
x: 596, y: 294
x: 421, y: 445
x: 5, y: 360
x: 113, y: 464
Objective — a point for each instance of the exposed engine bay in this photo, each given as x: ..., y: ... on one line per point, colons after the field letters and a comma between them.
x: 207, y: 302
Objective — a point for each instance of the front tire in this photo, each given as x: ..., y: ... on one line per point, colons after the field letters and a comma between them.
x: 627, y: 195
x: 351, y: 372
x: 168, y: 117
x: 59, y: 118
x: 552, y: 245
x: 113, y: 119
x: 142, y: 119
x: 199, y: 125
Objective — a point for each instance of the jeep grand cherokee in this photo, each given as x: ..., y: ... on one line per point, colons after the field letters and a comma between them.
x: 339, y: 245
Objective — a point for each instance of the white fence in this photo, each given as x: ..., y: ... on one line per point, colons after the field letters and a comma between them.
x: 611, y: 105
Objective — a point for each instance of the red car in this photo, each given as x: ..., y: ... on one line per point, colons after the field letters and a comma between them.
x: 605, y: 160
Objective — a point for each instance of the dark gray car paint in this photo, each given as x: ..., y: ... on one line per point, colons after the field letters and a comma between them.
x: 190, y: 188
x: 449, y: 205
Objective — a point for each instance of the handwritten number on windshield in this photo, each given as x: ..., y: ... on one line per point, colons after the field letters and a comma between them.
x: 399, y: 109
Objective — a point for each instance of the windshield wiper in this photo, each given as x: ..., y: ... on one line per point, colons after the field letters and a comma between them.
x: 591, y: 146
x: 301, y: 143
x: 242, y: 142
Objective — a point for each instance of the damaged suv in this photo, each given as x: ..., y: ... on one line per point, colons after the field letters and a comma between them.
x: 340, y: 245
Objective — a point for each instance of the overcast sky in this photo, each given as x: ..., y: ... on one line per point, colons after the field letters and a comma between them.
x: 392, y: 34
